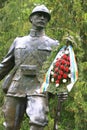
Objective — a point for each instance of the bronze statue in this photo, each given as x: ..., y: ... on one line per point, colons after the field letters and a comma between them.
x: 27, y: 55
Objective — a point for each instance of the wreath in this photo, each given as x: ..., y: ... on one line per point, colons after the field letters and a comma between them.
x: 60, y: 71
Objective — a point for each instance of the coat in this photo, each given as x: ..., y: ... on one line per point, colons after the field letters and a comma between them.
x: 28, y: 53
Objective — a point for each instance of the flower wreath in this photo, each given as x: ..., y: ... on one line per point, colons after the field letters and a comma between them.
x: 62, y: 73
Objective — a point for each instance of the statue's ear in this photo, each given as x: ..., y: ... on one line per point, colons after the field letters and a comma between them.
x: 31, y: 19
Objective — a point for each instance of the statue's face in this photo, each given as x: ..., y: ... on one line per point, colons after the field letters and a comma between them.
x: 39, y: 20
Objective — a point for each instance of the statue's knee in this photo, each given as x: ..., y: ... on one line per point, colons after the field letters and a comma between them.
x: 11, y: 125
x: 37, y: 110
x: 38, y: 120
x: 35, y: 127
x: 8, y: 126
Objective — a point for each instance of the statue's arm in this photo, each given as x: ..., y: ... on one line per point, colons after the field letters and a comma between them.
x: 7, y: 63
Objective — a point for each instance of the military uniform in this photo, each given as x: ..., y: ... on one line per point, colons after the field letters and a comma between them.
x: 27, y: 53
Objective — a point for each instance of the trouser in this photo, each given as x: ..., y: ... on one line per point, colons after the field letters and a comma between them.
x: 35, y: 108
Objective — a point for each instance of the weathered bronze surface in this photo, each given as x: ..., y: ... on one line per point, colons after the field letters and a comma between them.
x: 27, y: 53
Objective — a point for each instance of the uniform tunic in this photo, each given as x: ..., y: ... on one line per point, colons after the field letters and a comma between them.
x: 27, y: 53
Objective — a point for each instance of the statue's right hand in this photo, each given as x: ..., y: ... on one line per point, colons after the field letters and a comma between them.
x: 6, y: 83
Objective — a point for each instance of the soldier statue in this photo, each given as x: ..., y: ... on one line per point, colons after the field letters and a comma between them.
x: 27, y: 54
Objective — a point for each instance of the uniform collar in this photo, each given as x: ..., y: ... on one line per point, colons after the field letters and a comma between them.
x: 36, y: 33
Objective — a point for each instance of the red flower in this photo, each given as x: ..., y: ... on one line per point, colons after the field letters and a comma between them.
x: 57, y: 81
x: 64, y: 57
x: 68, y: 63
x: 68, y: 58
x: 66, y: 69
x: 57, y: 64
x: 63, y: 62
x: 55, y: 75
x: 62, y: 67
x: 59, y: 60
x: 65, y: 76
x: 56, y: 69
x: 59, y: 77
x: 60, y: 72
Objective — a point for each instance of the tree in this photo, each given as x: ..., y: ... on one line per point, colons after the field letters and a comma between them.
x: 70, y: 17
x: 67, y: 17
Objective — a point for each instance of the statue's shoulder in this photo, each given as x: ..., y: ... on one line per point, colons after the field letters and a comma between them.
x: 51, y: 41
x: 23, y: 38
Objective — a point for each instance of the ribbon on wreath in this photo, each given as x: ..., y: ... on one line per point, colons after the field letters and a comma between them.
x: 63, y: 67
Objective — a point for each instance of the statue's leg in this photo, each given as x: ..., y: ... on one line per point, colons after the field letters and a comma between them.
x: 13, y: 109
x: 37, y: 110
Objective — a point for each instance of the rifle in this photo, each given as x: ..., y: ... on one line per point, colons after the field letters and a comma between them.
x: 61, y: 97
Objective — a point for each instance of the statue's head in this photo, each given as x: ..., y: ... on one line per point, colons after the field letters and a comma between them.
x: 41, y: 9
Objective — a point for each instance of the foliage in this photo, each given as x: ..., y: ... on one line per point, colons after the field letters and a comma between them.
x: 67, y: 17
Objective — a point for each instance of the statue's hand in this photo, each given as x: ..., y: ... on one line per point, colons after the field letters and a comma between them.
x: 5, y: 90
x: 6, y: 83
x: 69, y: 40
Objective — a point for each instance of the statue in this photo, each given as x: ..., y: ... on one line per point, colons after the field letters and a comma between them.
x: 26, y: 56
